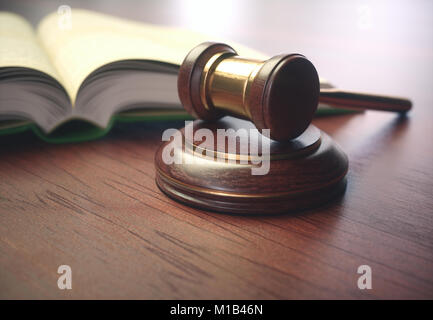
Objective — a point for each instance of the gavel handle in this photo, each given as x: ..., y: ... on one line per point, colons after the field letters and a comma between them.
x: 348, y: 99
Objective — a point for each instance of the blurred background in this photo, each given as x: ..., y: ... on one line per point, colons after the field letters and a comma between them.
x: 376, y: 46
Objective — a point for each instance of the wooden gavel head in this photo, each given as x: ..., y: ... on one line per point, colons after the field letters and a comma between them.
x: 280, y: 94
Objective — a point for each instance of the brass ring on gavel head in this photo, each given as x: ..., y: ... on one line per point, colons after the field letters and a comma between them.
x: 280, y: 94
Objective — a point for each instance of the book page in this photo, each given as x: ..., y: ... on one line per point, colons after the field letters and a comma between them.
x: 93, y: 40
x: 20, y: 47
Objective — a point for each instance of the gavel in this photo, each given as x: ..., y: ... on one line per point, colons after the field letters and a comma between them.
x: 280, y: 94
x: 304, y: 166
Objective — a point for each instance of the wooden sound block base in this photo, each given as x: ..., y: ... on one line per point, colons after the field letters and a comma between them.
x: 303, y: 173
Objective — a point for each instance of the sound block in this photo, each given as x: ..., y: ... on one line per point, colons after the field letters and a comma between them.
x: 303, y: 173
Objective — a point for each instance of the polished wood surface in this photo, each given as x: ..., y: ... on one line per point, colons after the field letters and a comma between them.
x: 95, y: 205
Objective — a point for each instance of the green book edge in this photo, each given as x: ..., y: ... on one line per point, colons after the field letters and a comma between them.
x: 86, y: 131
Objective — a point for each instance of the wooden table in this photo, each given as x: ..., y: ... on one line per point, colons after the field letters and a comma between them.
x: 95, y: 206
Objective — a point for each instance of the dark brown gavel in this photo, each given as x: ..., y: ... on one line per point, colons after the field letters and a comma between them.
x: 280, y: 94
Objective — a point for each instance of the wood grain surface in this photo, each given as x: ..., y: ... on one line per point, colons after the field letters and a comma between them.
x: 95, y: 206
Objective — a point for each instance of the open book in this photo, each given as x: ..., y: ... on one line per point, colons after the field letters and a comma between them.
x: 95, y: 70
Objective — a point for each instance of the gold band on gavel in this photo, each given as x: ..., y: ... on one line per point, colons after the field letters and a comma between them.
x: 226, y: 83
